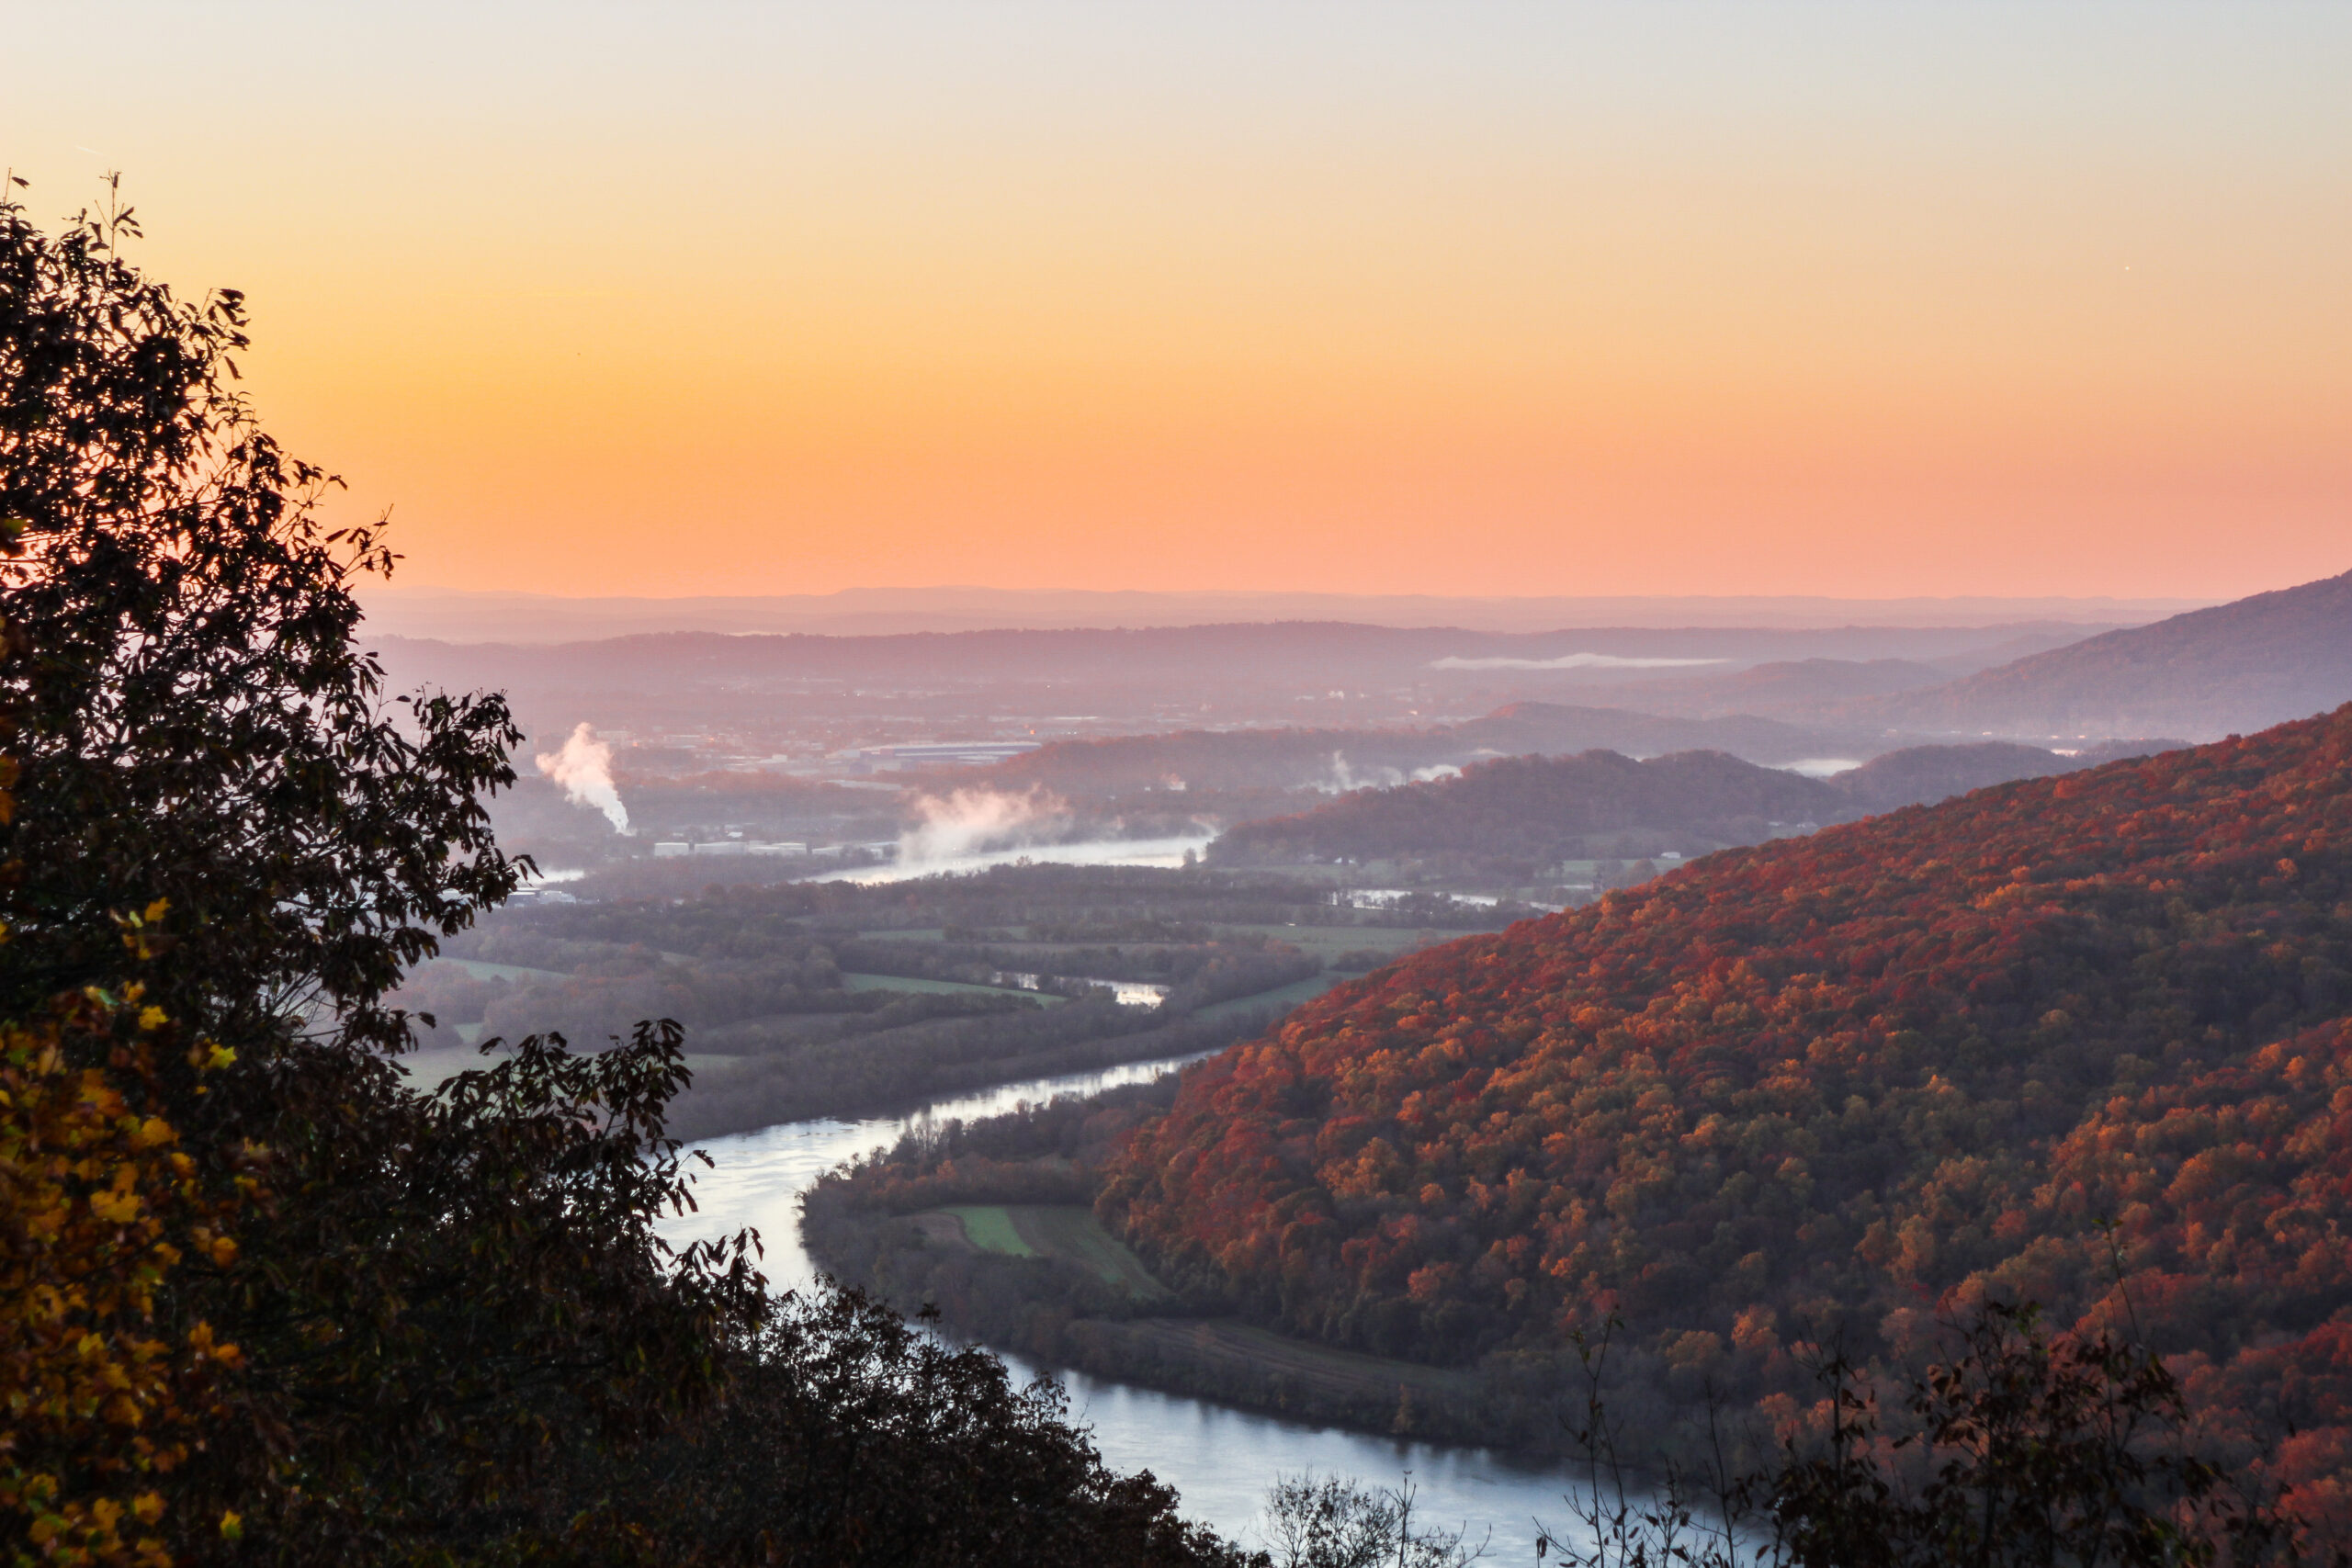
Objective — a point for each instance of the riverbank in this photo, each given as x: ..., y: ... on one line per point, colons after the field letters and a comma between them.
x: 908, y: 1048
x: 874, y: 1075
x: 974, y: 1260
x: 992, y: 1223
x: 1218, y: 1456
x: 834, y: 1001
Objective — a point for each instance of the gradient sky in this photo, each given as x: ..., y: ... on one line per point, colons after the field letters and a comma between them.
x: 1671, y: 297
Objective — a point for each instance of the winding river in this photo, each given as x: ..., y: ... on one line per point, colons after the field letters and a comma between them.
x: 1220, y: 1460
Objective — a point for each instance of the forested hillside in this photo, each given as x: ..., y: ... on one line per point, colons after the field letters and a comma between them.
x: 1808, y: 1093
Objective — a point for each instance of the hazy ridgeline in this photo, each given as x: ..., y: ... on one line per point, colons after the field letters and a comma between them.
x: 1175, y: 733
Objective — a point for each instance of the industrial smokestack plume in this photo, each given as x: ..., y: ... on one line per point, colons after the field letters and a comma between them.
x: 584, y: 769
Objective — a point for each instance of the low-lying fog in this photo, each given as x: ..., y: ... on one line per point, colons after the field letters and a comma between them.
x: 1166, y: 854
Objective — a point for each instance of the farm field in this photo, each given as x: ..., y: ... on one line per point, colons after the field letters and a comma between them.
x: 1325, y: 941
x: 941, y: 988
x: 1068, y: 1230
x: 990, y: 1227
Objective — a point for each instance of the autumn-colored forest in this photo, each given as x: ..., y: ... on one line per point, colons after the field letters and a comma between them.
x: 2083, y: 1040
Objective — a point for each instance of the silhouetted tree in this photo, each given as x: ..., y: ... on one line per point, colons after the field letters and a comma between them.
x: 331, y: 1319
x: 2023, y: 1450
x: 194, y: 718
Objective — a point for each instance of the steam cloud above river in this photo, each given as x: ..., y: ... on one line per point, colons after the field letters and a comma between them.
x: 584, y: 769
x: 974, y: 821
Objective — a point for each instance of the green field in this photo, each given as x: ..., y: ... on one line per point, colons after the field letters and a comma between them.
x: 1067, y: 1230
x: 941, y: 988
x: 990, y: 1227
x: 1325, y: 941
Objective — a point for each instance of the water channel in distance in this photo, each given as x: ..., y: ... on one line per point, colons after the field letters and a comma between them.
x: 1220, y: 1460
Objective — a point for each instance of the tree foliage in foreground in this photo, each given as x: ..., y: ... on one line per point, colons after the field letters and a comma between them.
x: 105, y: 1395
x: 2019, y: 1449
x: 259, y: 1300
x: 194, y: 719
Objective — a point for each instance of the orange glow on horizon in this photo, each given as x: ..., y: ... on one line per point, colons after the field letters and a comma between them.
x: 1984, y: 300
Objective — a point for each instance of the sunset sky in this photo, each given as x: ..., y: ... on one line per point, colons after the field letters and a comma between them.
x: 1671, y: 297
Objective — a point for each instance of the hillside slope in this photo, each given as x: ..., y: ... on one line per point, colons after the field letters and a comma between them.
x: 1538, y: 807
x: 1921, y: 775
x: 2236, y: 667
x: 1798, y: 688
x: 1528, y: 810
x: 1342, y: 759
x: 1812, y: 1089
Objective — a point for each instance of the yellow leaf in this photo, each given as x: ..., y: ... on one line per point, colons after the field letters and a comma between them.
x: 114, y: 1208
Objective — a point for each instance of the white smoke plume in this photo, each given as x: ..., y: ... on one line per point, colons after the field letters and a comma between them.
x: 584, y: 769
x: 974, y: 821
x: 1342, y: 779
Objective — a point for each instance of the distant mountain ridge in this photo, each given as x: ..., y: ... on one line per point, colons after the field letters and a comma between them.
x: 464, y: 615
x: 1316, y: 649
x: 2232, y: 668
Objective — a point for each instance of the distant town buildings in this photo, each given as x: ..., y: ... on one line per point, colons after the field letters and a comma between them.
x: 671, y: 849
x: 931, y: 755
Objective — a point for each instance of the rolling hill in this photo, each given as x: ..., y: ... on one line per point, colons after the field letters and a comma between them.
x: 1536, y: 808
x: 1339, y: 759
x: 1921, y: 775
x: 2231, y: 669
x: 1799, y: 689
x: 1533, y: 810
x: 1812, y: 1091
